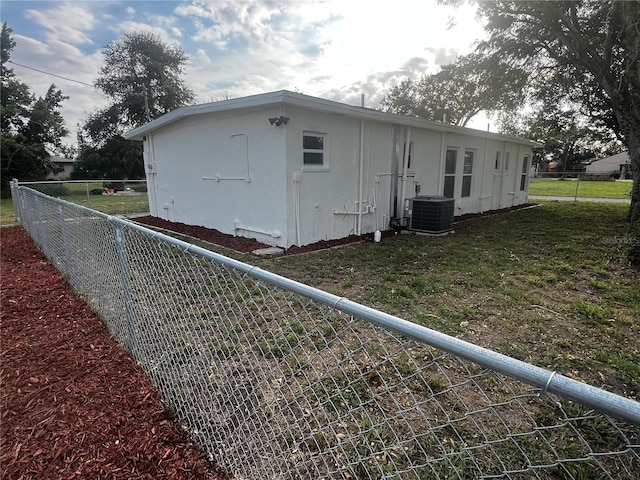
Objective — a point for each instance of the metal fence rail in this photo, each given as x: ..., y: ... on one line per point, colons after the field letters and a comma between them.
x: 278, y: 380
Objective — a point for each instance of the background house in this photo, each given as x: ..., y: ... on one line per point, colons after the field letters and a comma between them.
x: 291, y: 169
x: 62, y: 168
x: 618, y: 165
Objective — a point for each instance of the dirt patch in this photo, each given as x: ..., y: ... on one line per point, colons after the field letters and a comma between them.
x: 74, y: 405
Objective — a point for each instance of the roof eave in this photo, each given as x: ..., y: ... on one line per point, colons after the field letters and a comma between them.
x: 316, y: 104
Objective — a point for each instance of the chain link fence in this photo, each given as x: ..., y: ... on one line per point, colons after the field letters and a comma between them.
x: 278, y: 380
x: 579, y: 186
x: 107, y: 196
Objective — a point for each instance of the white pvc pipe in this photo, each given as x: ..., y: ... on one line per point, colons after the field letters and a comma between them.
x: 237, y: 226
x: 405, y: 167
x: 296, y: 206
x: 360, y: 181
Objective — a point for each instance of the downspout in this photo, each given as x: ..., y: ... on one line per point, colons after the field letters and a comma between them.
x: 153, y: 199
x: 405, y: 167
x: 296, y: 205
x: 361, y: 168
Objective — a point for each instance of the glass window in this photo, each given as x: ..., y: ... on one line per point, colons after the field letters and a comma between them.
x: 313, y: 148
x: 498, y: 160
x: 450, y: 173
x: 449, y: 184
x: 467, y: 173
x: 468, y: 162
x: 450, y: 165
x: 507, y: 157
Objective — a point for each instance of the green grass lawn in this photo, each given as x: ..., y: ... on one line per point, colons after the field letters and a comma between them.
x: 548, y: 285
x: 6, y: 212
x: 590, y: 189
x: 110, y: 204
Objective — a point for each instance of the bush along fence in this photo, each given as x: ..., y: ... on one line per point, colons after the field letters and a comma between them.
x: 278, y: 380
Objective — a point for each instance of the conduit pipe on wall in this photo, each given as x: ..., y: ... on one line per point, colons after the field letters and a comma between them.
x: 297, y: 178
x: 218, y: 178
x: 485, y: 165
x: 360, y: 173
x: 237, y: 226
x: 153, y: 199
x: 405, y: 167
x: 360, y: 181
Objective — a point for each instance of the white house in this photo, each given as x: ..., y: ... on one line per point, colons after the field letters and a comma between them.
x: 618, y: 164
x: 291, y: 169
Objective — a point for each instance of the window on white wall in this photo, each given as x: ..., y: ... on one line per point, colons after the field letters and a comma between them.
x: 507, y: 158
x: 467, y: 173
x: 450, y: 173
x: 523, y: 173
x: 498, y: 160
x: 313, y: 149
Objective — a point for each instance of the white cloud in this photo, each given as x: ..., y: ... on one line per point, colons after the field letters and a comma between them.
x: 66, y: 22
x: 335, y: 49
x: 168, y: 35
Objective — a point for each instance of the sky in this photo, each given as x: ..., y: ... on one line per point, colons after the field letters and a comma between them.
x: 334, y: 49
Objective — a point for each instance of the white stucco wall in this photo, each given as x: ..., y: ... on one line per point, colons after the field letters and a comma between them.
x: 222, y: 171
x: 327, y: 197
x: 491, y: 188
x: 237, y: 173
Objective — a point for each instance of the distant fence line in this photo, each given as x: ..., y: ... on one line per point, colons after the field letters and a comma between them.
x: 85, y: 192
x: 278, y: 380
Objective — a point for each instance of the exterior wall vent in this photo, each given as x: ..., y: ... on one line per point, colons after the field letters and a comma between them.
x: 430, y: 214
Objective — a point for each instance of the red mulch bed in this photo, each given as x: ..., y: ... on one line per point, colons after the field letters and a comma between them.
x: 246, y: 245
x: 74, y: 405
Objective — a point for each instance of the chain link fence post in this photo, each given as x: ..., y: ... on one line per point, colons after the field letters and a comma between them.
x: 126, y: 290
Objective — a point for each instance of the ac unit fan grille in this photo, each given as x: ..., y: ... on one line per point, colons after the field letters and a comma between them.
x: 431, y: 214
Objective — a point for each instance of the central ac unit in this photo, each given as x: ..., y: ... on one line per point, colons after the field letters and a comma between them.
x: 430, y: 214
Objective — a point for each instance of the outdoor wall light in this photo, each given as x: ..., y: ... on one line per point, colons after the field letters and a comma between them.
x: 277, y: 121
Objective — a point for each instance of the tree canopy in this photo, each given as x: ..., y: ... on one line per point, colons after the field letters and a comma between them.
x: 143, y: 78
x: 459, y: 91
x: 31, y: 128
x: 590, y: 51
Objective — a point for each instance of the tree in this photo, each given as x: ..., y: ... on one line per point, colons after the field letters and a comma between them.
x: 30, y: 128
x: 15, y: 97
x: 143, y: 77
x: 591, y: 50
x: 569, y: 135
x: 459, y: 91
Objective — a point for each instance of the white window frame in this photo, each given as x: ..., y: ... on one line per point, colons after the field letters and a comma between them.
x: 324, y: 166
x: 468, y: 175
x: 450, y: 174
